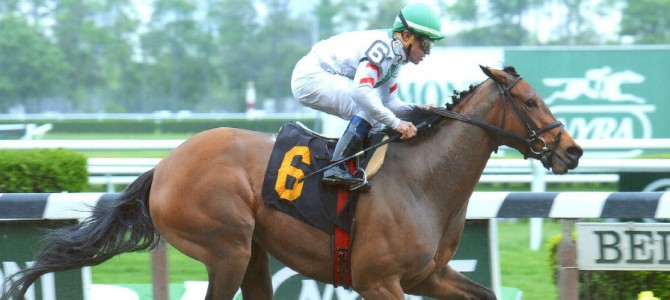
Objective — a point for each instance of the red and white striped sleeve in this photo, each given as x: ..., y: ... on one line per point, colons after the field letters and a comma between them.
x: 368, y: 97
x: 390, y: 98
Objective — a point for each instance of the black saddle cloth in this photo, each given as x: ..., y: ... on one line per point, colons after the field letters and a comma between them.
x: 297, y: 153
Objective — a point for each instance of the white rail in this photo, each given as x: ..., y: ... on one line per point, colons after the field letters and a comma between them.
x: 115, y: 171
x: 118, y: 171
x: 27, y: 131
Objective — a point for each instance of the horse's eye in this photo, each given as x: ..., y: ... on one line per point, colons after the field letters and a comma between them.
x: 530, y: 103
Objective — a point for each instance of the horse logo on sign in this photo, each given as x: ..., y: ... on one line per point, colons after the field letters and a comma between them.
x: 660, y: 185
x: 597, y: 84
x: 600, y: 104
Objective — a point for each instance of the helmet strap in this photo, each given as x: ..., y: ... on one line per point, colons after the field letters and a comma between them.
x: 411, y: 40
x: 407, y: 44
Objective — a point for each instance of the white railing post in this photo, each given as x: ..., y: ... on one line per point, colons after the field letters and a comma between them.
x: 539, y: 184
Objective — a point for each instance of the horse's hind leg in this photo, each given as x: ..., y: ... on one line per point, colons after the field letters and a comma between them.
x: 222, y: 241
x: 248, y: 267
x: 257, y: 283
x: 447, y: 283
x: 226, y: 268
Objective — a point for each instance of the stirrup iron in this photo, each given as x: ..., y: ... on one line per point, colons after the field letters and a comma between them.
x: 363, y: 186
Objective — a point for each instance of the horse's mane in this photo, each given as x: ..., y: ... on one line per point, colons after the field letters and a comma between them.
x: 460, y: 95
x: 418, y: 115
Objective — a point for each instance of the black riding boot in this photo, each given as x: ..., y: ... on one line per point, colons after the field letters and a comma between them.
x: 339, y: 175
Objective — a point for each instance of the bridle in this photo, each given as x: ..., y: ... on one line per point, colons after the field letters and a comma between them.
x: 545, y: 153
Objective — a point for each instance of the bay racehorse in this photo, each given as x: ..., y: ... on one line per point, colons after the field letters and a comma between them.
x: 204, y: 198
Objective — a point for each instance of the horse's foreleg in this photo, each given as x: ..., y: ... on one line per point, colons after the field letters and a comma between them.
x: 257, y: 282
x: 447, y: 283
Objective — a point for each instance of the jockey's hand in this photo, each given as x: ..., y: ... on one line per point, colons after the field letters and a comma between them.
x: 426, y: 106
x: 407, y: 129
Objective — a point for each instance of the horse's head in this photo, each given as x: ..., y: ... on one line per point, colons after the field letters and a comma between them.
x: 535, y: 132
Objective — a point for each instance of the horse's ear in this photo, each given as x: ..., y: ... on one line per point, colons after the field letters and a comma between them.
x: 494, y: 74
x: 486, y: 71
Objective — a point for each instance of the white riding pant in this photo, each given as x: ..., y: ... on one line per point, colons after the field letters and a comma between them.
x: 316, y: 88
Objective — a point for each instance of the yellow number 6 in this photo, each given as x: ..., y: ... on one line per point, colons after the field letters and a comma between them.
x: 287, y: 169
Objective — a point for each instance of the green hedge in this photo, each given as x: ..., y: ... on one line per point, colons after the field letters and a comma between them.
x: 612, y: 284
x: 42, y: 171
x: 189, y: 126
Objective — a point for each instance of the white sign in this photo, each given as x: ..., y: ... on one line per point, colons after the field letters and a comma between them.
x: 446, y: 69
x: 623, y: 246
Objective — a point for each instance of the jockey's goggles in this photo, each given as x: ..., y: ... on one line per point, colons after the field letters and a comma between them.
x: 425, y: 43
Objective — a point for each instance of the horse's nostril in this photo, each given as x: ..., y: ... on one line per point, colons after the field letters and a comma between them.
x: 575, y: 152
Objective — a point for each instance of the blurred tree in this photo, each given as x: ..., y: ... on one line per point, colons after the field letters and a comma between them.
x: 82, y: 41
x: 352, y: 15
x: 32, y: 67
x: 236, y: 29
x: 94, y: 36
x: 509, y: 22
x: 278, y: 51
x: 466, y: 11
x: 325, y: 11
x: 215, y: 86
x: 385, y: 14
x: 119, y: 64
x: 646, y: 21
x: 578, y: 27
x: 199, y: 55
x: 501, y: 25
x: 169, y: 49
x: 508, y: 15
x: 7, y: 7
x: 179, y: 52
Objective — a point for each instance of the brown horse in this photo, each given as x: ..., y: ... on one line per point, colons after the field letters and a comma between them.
x: 205, y: 199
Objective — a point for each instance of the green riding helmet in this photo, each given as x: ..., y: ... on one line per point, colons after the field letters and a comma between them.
x: 421, y: 20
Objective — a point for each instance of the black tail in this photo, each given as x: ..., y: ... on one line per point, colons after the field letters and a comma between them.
x: 116, y: 226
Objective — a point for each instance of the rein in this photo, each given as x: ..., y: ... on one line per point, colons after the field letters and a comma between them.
x: 533, y: 135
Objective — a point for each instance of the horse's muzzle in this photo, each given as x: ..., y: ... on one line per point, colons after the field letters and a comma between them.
x: 573, y: 153
x: 560, y: 162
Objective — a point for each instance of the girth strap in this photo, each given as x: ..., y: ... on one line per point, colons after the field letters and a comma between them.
x: 342, y: 244
x: 341, y: 254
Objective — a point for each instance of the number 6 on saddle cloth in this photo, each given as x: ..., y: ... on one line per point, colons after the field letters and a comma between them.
x: 292, y: 180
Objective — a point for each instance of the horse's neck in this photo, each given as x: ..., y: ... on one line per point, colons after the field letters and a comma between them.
x: 471, y: 144
x: 453, y: 158
x: 465, y: 150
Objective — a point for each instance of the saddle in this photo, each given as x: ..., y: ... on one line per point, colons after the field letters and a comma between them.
x: 297, y: 154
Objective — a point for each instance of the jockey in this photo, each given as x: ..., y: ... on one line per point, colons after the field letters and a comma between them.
x: 354, y: 75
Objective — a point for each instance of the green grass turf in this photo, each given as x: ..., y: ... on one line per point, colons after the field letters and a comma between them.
x: 523, y: 268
